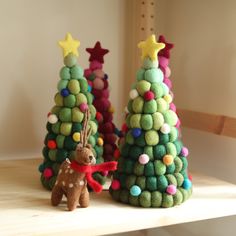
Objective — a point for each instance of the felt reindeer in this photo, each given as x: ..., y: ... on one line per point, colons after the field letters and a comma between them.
x: 74, y: 176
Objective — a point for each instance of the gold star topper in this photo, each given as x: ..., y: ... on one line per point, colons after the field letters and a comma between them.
x: 150, y: 47
x: 69, y: 45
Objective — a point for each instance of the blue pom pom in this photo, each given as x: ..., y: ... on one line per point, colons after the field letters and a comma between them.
x: 187, y: 184
x: 65, y: 92
x: 89, y: 88
x: 135, y: 190
x: 105, y: 76
x: 136, y: 132
x: 41, y: 168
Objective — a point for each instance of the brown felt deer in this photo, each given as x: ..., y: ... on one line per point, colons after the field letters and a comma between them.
x: 73, y: 176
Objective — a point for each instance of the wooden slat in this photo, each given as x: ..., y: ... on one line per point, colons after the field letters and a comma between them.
x: 217, y: 124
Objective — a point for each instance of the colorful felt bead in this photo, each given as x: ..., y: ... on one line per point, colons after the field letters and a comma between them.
x: 65, y: 73
x: 148, y: 63
x: 151, y: 137
x: 149, y: 95
x: 65, y: 114
x: 95, y: 65
x: 83, y: 107
x: 171, y: 189
x: 133, y: 93
x: 70, y: 60
x: 98, y: 84
x: 168, y: 98
x: 52, y: 119
x: 158, y: 120
x: 136, y: 132
x: 154, y: 75
x: 137, y: 104
x: 87, y: 72
x: 135, y: 190
x: 135, y: 121
x: 161, y: 105
x: 168, y: 160
x: 76, y: 136
x: 65, y: 92
x: 187, y: 184
x: 170, y: 117
x: 146, y: 121
x: 143, y: 159
x: 172, y: 107
x: 140, y: 74
x: 184, y: 151
x: 165, y: 129
x: 52, y: 144
x: 160, y: 167
x: 167, y: 72
x: 167, y: 82
x: 143, y: 86
x: 162, y: 183
x: 115, y: 185
x: 111, y: 109
x: 81, y: 98
x: 116, y: 153
x: 163, y: 61
x: 70, y: 101
x: 74, y: 86
x: 76, y: 72
x: 156, y: 199
x: 47, y: 173
x: 65, y: 128
x: 100, y: 141
x: 150, y: 107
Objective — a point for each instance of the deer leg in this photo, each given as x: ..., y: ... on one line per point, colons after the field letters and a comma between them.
x: 84, y: 198
x: 57, y: 194
x: 72, y: 199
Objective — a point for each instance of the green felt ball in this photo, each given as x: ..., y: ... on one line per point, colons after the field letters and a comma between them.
x: 76, y: 72
x: 65, y: 114
x: 178, y: 164
x: 65, y: 73
x: 60, y: 141
x: 58, y: 99
x: 171, y: 149
x: 146, y: 122
x: 70, y: 101
x: 158, y: 120
x: 135, y: 151
x: 140, y: 74
x: 149, y: 151
x: 92, y: 111
x: 92, y: 77
x: 184, y: 173
x: 173, y: 135
x: 178, y: 144
x: 184, y: 194
x: 69, y: 143
x: 70, y: 60
x: 130, y: 181
x: 151, y: 137
x: 157, y: 89
x: 163, y: 138
x: 81, y: 98
x: 115, y: 194
x: 124, y: 196
x: 127, y: 120
x: 52, y: 182
x: 148, y: 63
x: 65, y: 128
x: 49, y: 127
x: 170, y: 117
x: 154, y: 75
x: 185, y: 163
x: 98, y: 151
x: 92, y: 140
x: 129, y: 137
x: 56, y: 127
x: 149, y: 169
x: 137, y: 105
x: 162, y: 105
x: 160, y: 167
x: 49, y: 136
x: 156, y: 199
x: 140, y: 140
x: 52, y: 154
x: 134, y: 120
x: 89, y: 97
x: 167, y: 200
x: 133, y: 200
x: 171, y: 179
x: 61, y: 155
x: 162, y: 183
x: 125, y: 150
x: 55, y: 110
x: 130, y: 106
x: 62, y: 84
x: 179, y: 178
x: 150, y: 107
x: 141, y: 182
x: 76, y: 127
x: 165, y: 89
x: 128, y: 166
x: 143, y: 86
x: 145, y: 199
x: 93, y: 126
x: 45, y: 153
x: 77, y: 115
x: 138, y: 169
x: 56, y: 167
x: 178, y: 197
x: 151, y: 183
x: 74, y: 86
x: 159, y: 151
x: 170, y: 169
x: 83, y: 85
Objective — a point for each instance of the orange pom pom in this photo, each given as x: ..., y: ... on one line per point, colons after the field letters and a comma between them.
x: 168, y: 159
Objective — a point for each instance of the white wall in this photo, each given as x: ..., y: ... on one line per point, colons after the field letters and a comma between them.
x: 31, y: 59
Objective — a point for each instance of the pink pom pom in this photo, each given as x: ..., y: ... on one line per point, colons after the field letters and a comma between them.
x: 98, y: 84
x: 105, y: 173
x: 83, y: 107
x: 171, y: 189
x: 47, y: 173
x: 184, y: 151
x: 149, y: 95
x: 87, y: 73
x: 143, y: 159
x: 178, y: 123
x: 99, y: 73
x: 163, y: 61
x: 115, y: 185
x: 168, y: 82
x: 167, y: 72
x: 95, y: 65
x: 173, y: 107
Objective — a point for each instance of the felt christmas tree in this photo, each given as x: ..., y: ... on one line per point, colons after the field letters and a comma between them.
x: 65, y: 119
x: 152, y: 167
x: 99, y: 85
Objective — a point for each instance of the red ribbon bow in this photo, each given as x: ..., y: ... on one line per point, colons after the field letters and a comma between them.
x: 89, y: 170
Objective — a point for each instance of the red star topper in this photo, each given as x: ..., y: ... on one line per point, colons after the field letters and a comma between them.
x: 97, y: 53
x: 165, y: 52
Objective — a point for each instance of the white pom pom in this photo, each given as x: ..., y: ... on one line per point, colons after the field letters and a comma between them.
x: 133, y: 93
x: 52, y: 119
x: 165, y: 129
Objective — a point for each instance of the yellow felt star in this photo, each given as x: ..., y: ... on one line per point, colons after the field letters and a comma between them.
x: 69, y: 45
x: 150, y: 47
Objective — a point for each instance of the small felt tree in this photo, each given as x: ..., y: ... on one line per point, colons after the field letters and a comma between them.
x: 152, y: 167
x: 66, y: 118
x: 99, y: 85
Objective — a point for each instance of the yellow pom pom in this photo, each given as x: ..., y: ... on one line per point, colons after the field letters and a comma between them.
x: 168, y: 98
x: 76, y: 136
x: 111, y: 109
x: 100, y: 141
x: 168, y: 159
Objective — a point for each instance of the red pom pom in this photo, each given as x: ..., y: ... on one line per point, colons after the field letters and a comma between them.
x: 108, y: 149
x: 115, y: 185
x: 99, y: 117
x: 107, y: 116
x: 124, y: 128
x: 110, y: 138
x: 105, y: 84
x: 117, y: 153
x: 190, y: 177
x: 149, y: 95
x: 49, y: 113
x: 87, y: 73
x: 52, y: 144
x: 47, y: 173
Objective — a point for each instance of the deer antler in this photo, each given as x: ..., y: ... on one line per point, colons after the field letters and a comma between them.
x: 85, y: 132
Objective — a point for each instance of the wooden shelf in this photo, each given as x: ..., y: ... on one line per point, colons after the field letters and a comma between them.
x: 25, y: 207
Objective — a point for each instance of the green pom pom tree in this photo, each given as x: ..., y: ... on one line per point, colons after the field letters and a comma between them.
x: 66, y: 117
x: 152, y: 167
